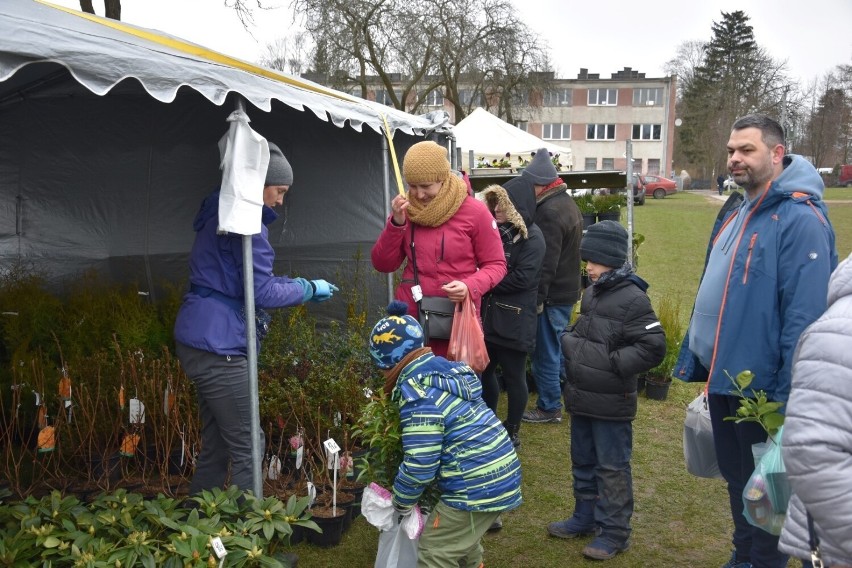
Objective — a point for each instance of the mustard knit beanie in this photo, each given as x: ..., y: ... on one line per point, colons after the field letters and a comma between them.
x: 425, y: 162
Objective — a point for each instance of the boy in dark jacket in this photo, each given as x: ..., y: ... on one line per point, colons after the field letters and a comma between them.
x: 616, y: 337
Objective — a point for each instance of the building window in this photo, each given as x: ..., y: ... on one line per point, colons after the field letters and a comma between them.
x: 604, y: 97
x: 637, y: 165
x: 555, y: 131
x: 648, y: 97
x: 654, y: 166
x: 647, y: 131
x: 522, y: 125
x: 435, y: 98
x: 608, y: 163
x: 383, y: 97
x: 591, y: 164
x: 466, y: 96
x: 557, y: 97
x: 600, y: 132
x: 520, y: 98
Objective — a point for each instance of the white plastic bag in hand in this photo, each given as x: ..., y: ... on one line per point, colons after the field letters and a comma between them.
x: 377, y: 507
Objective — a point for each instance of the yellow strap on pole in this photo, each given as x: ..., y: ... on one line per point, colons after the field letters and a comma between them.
x: 399, y: 186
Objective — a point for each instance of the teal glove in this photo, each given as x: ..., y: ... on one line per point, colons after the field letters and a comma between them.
x: 307, y: 289
x: 323, y: 290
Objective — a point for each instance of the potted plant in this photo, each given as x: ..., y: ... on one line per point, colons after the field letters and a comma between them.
x: 608, y: 206
x: 586, y: 205
x: 659, y: 379
x: 769, y: 480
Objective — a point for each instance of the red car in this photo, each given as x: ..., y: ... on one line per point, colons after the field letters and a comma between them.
x: 658, y: 186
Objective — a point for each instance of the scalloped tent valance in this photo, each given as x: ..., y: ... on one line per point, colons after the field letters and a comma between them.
x: 99, y: 53
x: 108, y: 146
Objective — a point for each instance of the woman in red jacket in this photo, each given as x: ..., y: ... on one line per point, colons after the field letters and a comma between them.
x: 456, y: 242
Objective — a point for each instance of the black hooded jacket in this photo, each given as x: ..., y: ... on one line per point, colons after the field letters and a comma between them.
x: 509, y: 310
x: 561, y: 224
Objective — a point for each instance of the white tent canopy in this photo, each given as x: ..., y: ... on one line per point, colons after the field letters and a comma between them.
x: 109, y: 143
x: 491, y: 137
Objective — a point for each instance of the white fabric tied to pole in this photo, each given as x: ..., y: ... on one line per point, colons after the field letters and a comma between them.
x: 244, y: 158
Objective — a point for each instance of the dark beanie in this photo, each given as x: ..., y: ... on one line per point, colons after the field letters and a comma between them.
x: 605, y: 243
x: 279, y: 171
x: 541, y: 170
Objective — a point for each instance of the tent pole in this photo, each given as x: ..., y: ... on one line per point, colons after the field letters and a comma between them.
x: 251, y: 353
x: 386, y: 168
x: 629, y: 153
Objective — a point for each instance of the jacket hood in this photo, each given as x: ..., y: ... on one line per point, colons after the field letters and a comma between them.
x: 430, y: 370
x: 210, y: 209
x: 518, y: 213
x: 798, y: 176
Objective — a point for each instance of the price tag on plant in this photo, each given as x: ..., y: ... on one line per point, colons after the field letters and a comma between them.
x: 331, y: 450
x: 218, y: 547
x: 300, y: 454
x: 137, y: 411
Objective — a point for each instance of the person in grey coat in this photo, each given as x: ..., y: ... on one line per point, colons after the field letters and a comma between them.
x: 817, y: 439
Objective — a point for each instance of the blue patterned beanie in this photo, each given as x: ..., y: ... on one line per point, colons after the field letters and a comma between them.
x: 395, y: 336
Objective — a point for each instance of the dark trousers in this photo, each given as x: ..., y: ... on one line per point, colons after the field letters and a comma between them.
x: 733, y: 450
x: 224, y: 405
x: 600, y: 463
x: 514, y: 366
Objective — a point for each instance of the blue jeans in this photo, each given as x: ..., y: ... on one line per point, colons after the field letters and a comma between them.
x: 736, y: 463
x: 600, y: 463
x: 547, y: 358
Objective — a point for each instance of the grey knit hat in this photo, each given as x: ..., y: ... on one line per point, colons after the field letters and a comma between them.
x: 605, y: 243
x: 541, y: 170
x: 279, y: 171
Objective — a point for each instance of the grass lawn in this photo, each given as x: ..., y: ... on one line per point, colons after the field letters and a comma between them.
x: 679, y: 519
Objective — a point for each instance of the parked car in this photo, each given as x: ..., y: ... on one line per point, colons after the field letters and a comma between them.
x: 658, y: 186
x: 731, y: 184
x: 845, y: 176
x: 638, y: 191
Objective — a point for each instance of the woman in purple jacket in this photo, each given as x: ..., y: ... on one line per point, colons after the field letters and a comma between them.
x: 210, y: 329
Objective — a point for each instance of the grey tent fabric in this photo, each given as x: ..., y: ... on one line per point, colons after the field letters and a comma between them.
x: 108, y: 146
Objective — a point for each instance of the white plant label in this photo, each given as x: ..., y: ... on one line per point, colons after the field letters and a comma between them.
x: 274, y: 470
x: 300, y: 454
x: 312, y: 494
x: 137, y: 411
x: 218, y: 547
x: 331, y: 446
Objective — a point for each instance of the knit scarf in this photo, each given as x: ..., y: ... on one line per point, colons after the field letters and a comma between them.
x: 439, y: 210
x: 552, y: 189
x: 392, y: 375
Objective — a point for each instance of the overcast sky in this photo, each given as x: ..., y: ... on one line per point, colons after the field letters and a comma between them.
x: 813, y: 36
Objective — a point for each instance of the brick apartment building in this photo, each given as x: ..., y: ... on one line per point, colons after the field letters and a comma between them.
x: 593, y: 116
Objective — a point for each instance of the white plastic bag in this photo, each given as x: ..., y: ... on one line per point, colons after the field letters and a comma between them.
x: 699, y: 452
x: 244, y: 158
x: 400, y: 534
x: 396, y: 549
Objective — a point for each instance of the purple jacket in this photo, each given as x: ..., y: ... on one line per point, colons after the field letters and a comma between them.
x: 214, y: 322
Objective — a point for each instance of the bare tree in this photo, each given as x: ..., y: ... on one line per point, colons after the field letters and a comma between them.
x: 288, y: 54
x: 736, y: 77
x: 688, y: 57
x: 112, y: 8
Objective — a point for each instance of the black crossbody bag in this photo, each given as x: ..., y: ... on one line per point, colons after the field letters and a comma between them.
x: 436, y: 312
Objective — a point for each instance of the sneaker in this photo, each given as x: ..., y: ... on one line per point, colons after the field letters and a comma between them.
x: 734, y: 563
x: 496, y: 525
x: 539, y: 416
x: 601, y: 549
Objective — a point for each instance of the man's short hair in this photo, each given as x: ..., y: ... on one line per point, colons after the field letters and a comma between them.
x: 771, y: 131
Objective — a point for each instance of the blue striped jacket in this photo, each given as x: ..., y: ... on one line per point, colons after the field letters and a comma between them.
x: 450, y: 435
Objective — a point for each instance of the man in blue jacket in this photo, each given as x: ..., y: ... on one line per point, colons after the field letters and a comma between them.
x: 765, y: 280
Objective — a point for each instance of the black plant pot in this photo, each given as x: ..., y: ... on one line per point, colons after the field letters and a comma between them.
x: 332, y: 529
x: 589, y: 219
x: 609, y: 216
x: 657, y: 390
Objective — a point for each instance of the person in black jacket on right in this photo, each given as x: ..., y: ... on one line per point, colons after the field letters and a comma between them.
x: 616, y: 337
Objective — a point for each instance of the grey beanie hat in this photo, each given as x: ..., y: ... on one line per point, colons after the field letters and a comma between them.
x: 605, y: 243
x: 541, y: 170
x: 279, y: 171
